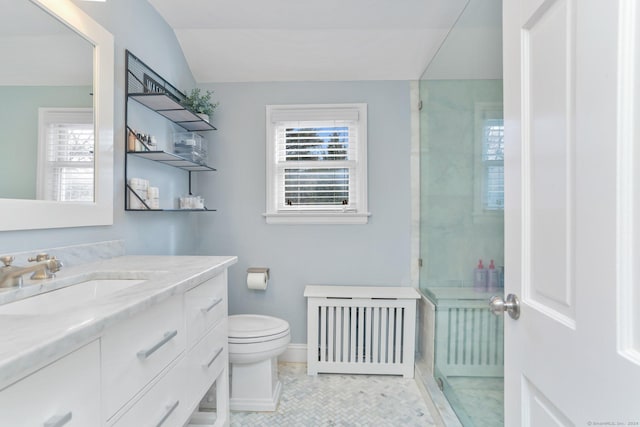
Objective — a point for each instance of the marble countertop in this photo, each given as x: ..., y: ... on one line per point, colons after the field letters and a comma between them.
x: 29, y: 342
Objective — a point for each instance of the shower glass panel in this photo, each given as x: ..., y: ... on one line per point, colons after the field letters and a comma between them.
x: 462, y: 190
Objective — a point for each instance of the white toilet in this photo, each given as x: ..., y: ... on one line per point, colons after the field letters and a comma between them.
x: 255, y: 342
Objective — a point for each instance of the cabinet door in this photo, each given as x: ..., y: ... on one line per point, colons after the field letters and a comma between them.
x: 65, y: 393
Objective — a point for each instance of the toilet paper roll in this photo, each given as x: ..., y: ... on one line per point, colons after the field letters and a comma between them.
x: 257, y: 281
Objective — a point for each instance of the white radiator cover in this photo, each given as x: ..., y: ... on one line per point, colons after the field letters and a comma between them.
x: 361, y: 329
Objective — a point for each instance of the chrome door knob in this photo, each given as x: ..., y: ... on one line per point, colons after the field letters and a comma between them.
x: 512, y: 306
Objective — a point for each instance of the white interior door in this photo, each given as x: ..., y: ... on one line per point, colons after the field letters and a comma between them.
x: 572, y: 213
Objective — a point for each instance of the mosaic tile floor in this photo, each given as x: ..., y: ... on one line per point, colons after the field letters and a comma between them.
x: 341, y: 400
x: 482, y: 399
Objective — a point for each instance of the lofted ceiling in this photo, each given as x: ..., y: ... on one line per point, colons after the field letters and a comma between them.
x: 309, y: 40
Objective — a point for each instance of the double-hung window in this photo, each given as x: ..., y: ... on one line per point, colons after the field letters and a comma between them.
x: 317, y: 164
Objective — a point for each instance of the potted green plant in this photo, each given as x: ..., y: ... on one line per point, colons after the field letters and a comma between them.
x: 200, y: 103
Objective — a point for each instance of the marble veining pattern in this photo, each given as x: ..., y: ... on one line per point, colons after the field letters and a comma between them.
x: 341, y: 400
x: 30, y: 342
x: 481, y: 399
x: 76, y: 254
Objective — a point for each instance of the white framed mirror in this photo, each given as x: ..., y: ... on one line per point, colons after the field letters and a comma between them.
x: 73, y: 35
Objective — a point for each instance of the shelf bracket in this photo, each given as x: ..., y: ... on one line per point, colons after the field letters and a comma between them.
x: 140, y: 198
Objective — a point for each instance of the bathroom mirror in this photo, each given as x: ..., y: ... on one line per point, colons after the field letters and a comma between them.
x: 56, y: 96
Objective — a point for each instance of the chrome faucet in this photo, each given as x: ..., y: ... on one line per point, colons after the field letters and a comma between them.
x: 45, y: 267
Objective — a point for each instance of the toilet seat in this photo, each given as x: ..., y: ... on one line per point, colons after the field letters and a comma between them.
x: 255, y: 328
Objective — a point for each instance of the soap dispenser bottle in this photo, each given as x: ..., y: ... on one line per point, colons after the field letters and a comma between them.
x: 480, y: 277
x: 493, y: 277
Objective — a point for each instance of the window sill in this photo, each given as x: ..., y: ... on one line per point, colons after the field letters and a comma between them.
x: 316, y: 218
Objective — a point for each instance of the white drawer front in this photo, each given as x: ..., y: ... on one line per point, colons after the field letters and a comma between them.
x: 205, y: 305
x: 137, y: 349
x: 65, y: 393
x: 206, y: 360
x: 165, y: 404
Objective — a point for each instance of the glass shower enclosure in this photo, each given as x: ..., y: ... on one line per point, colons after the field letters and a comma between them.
x: 461, y: 211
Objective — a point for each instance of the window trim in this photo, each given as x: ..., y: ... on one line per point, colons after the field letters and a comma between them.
x: 306, y: 215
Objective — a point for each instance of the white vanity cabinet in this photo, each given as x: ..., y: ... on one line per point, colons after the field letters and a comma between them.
x: 145, y: 355
x: 64, y: 393
x: 164, y: 404
x: 136, y: 350
x: 208, y: 362
x: 157, y: 366
x: 207, y: 332
x: 205, y: 305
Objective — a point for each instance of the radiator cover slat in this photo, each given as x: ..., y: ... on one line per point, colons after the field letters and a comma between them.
x: 469, y: 340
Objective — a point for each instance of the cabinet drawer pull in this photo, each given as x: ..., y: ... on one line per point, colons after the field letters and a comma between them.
x: 143, y: 354
x: 58, y: 420
x: 167, y: 414
x: 213, y: 304
x: 213, y: 359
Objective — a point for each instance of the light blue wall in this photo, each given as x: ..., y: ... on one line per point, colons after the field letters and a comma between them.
x: 373, y: 254
x: 138, y: 27
x: 19, y: 123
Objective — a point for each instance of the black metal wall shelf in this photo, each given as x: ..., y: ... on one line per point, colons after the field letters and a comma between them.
x: 149, y: 89
x: 170, y: 210
x: 172, y: 160
x: 162, y: 104
x: 149, y: 209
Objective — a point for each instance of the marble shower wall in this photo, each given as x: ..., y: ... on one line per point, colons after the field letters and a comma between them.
x: 453, y: 235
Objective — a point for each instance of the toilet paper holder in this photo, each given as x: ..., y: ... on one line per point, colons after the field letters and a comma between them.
x: 264, y: 270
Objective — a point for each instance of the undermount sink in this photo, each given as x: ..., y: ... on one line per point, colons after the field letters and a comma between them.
x: 68, y: 297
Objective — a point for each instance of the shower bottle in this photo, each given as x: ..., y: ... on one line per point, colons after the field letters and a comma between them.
x: 480, y: 277
x: 493, y: 277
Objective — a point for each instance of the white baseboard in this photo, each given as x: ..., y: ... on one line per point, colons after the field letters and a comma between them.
x: 295, y: 353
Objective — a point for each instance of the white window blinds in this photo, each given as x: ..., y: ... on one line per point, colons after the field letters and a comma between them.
x: 493, y: 162
x: 316, y: 164
x: 66, y: 155
x: 318, y: 160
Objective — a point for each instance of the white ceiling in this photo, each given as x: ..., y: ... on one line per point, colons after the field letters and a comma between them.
x: 309, y: 40
x: 38, y: 49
